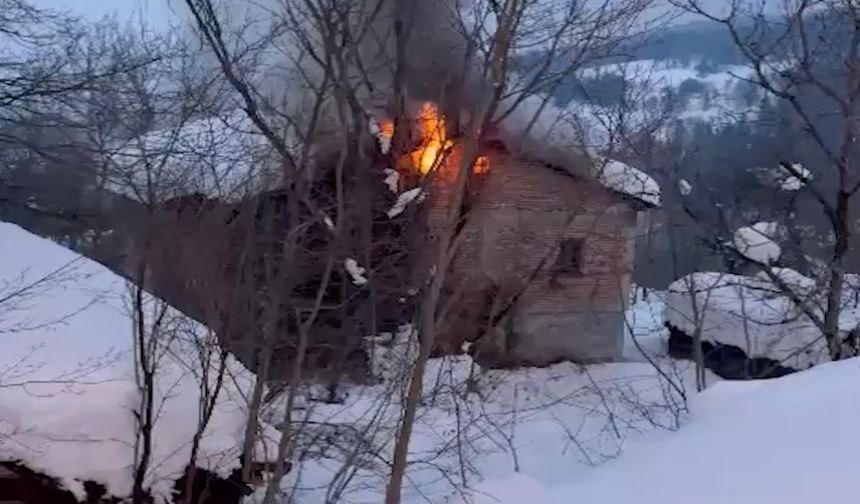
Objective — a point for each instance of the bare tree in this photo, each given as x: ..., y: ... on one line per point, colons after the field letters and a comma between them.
x: 804, y: 59
x: 339, y: 61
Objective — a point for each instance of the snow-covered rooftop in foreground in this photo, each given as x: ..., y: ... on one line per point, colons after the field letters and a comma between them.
x: 775, y: 441
x: 67, y: 388
x: 753, y: 314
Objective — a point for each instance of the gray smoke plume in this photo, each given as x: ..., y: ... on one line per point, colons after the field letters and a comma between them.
x: 438, y: 67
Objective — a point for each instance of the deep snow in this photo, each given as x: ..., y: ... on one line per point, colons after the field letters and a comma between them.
x: 481, y: 436
x: 67, y: 386
x: 548, y: 423
x: 786, y: 440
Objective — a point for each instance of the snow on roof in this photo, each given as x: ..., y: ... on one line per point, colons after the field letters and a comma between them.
x: 545, y: 132
x: 752, y: 313
x: 747, y: 443
x: 219, y: 156
x: 67, y: 387
x: 625, y: 179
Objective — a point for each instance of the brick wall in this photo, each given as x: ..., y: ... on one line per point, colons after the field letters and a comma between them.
x: 521, y: 214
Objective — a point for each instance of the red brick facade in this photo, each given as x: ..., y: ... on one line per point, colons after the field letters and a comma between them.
x: 520, y: 214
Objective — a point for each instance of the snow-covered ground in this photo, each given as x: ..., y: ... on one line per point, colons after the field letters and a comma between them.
x: 548, y: 424
x: 67, y: 397
x: 783, y: 440
x: 653, y: 89
x: 715, y: 99
x: 67, y: 385
x: 482, y: 436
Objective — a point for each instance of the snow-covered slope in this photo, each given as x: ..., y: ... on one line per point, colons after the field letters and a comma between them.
x: 67, y: 386
x: 786, y: 440
x: 654, y: 94
x: 67, y: 394
x: 713, y: 96
x: 543, y: 426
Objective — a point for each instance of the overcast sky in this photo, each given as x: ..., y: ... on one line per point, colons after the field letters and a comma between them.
x: 161, y: 12
x: 154, y: 12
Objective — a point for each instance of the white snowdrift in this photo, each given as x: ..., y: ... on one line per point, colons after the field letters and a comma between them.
x: 645, y: 334
x: 67, y: 389
x: 781, y: 440
x: 751, y: 313
x: 404, y: 199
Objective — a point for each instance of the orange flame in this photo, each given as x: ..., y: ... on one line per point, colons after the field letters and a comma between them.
x: 386, y: 129
x: 481, y: 166
x: 434, y: 141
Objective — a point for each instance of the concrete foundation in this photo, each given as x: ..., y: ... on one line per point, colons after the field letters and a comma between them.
x: 541, y: 339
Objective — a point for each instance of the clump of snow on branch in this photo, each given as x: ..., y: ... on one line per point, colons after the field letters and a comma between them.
x: 756, y: 242
x: 376, y: 131
x: 792, y: 182
x: 785, y: 177
x: 68, y: 408
x: 684, y: 187
x: 403, y: 200
x: 392, y: 177
x: 328, y: 222
x: 628, y: 180
x: 355, y: 271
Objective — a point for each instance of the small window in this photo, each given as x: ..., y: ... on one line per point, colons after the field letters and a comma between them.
x: 569, y: 259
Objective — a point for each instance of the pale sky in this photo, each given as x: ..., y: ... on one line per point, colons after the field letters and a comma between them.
x: 156, y: 13
x: 160, y: 13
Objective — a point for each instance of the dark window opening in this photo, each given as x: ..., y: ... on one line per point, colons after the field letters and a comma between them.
x: 569, y: 259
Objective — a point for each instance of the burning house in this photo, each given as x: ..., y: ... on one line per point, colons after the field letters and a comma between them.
x: 540, y: 273
x: 545, y: 247
x: 542, y: 263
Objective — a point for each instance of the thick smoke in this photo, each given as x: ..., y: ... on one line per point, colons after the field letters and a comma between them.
x: 435, y: 55
x: 438, y: 66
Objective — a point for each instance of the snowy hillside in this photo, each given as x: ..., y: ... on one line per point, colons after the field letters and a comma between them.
x: 780, y: 441
x: 602, y: 100
x: 67, y: 397
x: 67, y: 376
x: 67, y: 394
